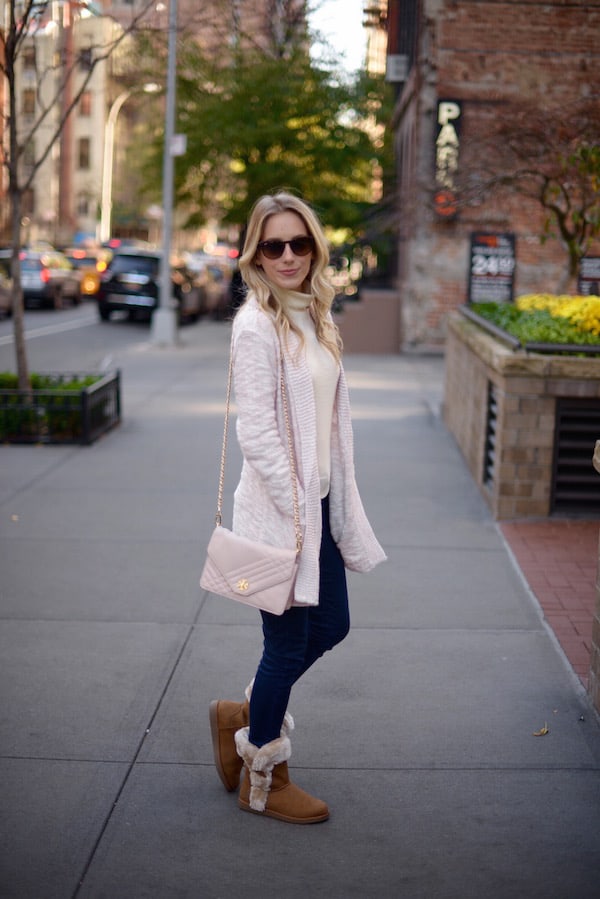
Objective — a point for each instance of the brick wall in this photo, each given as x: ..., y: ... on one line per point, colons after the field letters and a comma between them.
x: 526, y: 388
x: 517, y: 45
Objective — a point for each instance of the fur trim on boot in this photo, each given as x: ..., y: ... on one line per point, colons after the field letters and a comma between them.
x: 260, y: 762
x: 266, y: 787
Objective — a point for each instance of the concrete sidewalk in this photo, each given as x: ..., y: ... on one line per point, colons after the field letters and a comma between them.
x: 418, y: 730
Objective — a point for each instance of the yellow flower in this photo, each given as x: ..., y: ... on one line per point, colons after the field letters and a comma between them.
x: 583, y: 312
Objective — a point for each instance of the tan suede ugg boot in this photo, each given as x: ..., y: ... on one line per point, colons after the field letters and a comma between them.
x: 226, y: 718
x: 266, y: 786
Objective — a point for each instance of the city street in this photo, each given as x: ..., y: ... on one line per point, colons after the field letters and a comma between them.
x: 71, y: 339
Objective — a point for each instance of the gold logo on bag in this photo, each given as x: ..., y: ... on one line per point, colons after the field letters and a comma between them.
x: 243, y: 584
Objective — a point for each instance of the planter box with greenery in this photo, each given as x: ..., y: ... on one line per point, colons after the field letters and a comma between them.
x: 543, y: 323
x: 59, y: 408
x: 525, y: 411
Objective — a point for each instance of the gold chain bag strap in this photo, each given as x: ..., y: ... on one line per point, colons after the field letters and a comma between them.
x: 249, y: 571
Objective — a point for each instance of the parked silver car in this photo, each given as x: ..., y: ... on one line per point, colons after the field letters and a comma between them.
x: 48, y: 279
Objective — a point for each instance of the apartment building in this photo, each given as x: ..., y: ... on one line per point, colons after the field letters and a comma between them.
x: 64, y: 201
x: 60, y: 64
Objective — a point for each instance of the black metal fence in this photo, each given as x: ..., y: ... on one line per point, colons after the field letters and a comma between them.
x: 62, y: 412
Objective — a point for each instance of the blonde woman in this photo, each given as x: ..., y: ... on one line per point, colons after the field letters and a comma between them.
x: 286, y: 320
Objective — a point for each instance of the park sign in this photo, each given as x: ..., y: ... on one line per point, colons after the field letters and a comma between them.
x: 492, y: 268
x: 447, y: 146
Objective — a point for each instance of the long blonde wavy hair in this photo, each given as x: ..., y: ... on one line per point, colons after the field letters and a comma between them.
x: 319, y: 286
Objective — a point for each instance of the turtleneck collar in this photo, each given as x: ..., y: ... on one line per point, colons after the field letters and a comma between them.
x: 292, y: 300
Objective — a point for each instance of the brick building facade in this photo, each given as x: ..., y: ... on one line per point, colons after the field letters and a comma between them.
x: 484, y: 59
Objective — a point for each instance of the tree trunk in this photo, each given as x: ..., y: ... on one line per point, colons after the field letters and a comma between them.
x: 16, y: 196
x: 17, y: 293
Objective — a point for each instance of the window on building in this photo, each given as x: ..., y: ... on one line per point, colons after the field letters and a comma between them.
x: 85, y: 104
x: 83, y: 205
x: 83, y: 153
x: 29, y: 56
x: 28, y: 101
x: 85, y: 59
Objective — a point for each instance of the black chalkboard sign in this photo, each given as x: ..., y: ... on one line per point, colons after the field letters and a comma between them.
x: 588, y: 282
x: 492, y: 268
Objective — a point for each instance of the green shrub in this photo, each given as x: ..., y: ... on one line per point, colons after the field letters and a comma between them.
x: 534, y: 326
x: 54, y: 411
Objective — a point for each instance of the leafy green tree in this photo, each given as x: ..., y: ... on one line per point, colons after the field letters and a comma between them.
x: 266, y: 120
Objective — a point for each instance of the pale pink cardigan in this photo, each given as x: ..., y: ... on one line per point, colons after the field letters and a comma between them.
x: 263, y: 507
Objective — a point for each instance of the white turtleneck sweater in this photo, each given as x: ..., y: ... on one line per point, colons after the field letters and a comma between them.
x: 324, y: 372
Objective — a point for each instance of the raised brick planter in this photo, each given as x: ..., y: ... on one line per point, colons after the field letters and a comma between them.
x: 503, y: 407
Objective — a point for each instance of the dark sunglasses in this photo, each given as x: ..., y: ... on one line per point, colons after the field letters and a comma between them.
x: 300, y: 246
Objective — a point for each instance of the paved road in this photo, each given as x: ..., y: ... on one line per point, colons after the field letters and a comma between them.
x: 72, y: 337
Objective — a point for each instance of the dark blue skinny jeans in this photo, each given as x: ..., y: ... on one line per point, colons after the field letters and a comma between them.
x: 295, y: 640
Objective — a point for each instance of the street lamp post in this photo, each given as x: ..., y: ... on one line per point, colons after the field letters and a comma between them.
x: 108, y: 161
x: 107, y: 166
x: 164, y: 319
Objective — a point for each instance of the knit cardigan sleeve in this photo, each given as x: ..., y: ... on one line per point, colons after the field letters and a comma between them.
x: 256, y: 380
x: 350, y: 526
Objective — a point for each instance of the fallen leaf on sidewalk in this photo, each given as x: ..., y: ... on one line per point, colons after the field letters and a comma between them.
x: 542, y: 732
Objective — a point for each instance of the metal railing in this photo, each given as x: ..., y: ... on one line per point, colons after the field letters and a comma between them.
x: 58, y: 414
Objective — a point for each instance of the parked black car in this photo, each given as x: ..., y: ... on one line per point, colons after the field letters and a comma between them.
x: 131, y: 283
x: 48, y: 279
